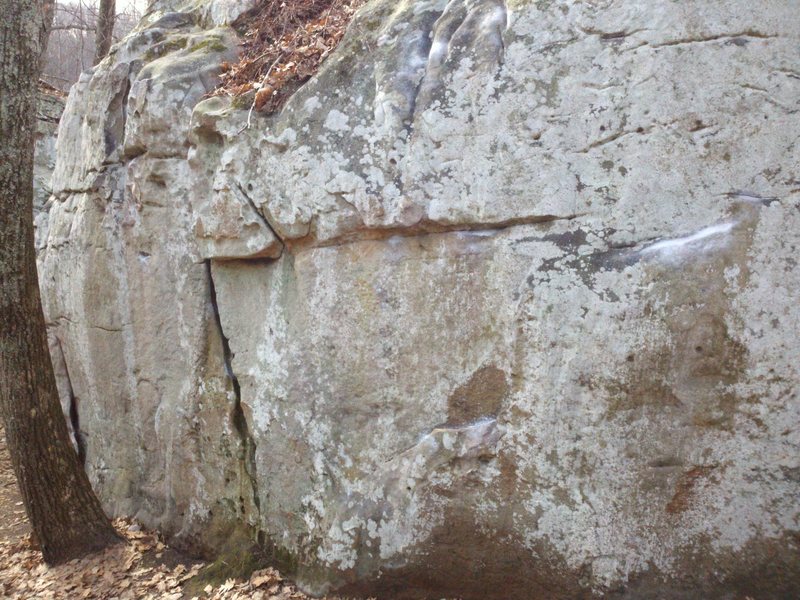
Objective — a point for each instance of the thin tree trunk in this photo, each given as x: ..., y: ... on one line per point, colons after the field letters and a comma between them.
x: 66, y: 516
x: 106, y: 16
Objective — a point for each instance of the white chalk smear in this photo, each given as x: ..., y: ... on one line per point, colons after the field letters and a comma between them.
x: 676, y: 244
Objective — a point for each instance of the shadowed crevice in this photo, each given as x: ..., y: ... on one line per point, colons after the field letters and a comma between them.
x: 74, y: 417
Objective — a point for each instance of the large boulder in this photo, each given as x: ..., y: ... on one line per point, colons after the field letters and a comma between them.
x: 502, y: 304
x: 139, y: 356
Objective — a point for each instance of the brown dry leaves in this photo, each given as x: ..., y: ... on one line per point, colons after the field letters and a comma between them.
x: 117, y: 572
x: 265, y: 584
x: 285, y: 43
x: 46, y: 88
x: 142, y: 569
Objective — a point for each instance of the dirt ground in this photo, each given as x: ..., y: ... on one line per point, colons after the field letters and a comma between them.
x: 13, y: 523
x: 140, y: 568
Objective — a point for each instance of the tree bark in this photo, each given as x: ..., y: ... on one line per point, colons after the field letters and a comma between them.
x: 106, y: 16
x: 66, y: 516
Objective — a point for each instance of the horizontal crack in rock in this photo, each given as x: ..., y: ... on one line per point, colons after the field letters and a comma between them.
x: 421, y: 228
x: 714, y: 38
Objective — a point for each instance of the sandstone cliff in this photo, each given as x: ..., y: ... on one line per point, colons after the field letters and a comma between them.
x: 502, y: 304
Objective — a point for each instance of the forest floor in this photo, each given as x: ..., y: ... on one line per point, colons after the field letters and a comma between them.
x: 141, y: 568
x: 13, y: 522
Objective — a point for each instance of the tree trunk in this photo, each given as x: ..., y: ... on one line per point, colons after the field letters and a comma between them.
x: 66, y: 516
x: 106, y: 16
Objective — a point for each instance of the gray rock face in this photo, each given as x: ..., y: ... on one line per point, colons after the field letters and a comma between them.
x: 132, y: 325
x: 501, y: 305
x: 48, y: 113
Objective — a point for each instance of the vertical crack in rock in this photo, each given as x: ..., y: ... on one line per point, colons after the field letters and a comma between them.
x: 238, y: 418
x: 74, y: 418
x: 424, y: 46
x: 117, y: 116
x: 124, y: 106
x: 76, y: 425
x: 398, y: 78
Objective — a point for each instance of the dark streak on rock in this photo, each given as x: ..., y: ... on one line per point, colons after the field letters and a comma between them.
x: 480, y: 397
x: 684, y: 489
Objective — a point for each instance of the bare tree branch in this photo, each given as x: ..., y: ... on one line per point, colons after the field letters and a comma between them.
x: 73, y: 40
x: 72, y: 26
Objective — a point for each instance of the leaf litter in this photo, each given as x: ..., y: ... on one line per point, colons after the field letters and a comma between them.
x: 144, y: 568
x: 285, y: 42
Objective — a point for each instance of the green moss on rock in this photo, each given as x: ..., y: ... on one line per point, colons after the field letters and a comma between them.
x: 166, y: 47
x: 213, y: 44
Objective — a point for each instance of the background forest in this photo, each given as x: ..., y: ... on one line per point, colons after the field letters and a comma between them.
x: 71, y: 46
